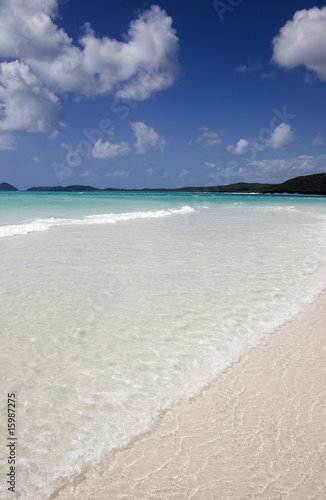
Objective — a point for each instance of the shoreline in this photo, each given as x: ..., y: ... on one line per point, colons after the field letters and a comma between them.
x: 305, y: 185
x: 258, y: 432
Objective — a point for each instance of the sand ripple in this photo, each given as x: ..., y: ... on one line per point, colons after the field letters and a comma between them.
x: 258, y: 433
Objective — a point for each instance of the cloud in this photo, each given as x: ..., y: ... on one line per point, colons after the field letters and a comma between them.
x: 106, y: 149
x: 207, y: 138
x: 117, y: 173
x: 318, y: 140
x: 86, y: 175
x: 310, y: 78
x: 300, y: 165
x: 22, y: 26
x: 269, y: 75
x: 241, y: 147
x: 281, y: 138
x: 146, y: 62
x: 245, y: 69
x: 54, y: 134
x: 36, y: 159
x: 26, y: 103
x: 210, y: 165
x: 147, y: 138
x: 302, y: 41
x: 183, y: 173
x: 42, y: 62
x: 7, y: 141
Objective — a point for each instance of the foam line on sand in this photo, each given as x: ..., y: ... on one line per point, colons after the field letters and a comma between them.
x: 259, y: 432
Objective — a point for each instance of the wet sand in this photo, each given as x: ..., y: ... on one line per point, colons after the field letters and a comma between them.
x: 259, y: 432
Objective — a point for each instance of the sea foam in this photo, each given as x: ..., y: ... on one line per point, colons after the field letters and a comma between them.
x: 40, y: 225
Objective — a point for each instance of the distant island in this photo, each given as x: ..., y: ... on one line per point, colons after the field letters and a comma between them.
x: 314, y: 184
x: 7, y: 187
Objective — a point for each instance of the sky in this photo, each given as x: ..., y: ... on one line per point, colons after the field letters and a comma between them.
x: 135, y: 94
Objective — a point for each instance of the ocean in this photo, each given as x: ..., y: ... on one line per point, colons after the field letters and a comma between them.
x: 116, y: 306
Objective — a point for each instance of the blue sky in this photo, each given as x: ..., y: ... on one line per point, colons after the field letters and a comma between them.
x: 130, y: 94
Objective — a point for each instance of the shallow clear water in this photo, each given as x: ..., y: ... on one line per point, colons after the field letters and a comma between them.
x: 121, y: 305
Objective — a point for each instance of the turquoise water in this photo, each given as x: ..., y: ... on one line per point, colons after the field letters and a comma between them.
x: 117, y: 306
x: 24, y: 212
x: 39, y: 211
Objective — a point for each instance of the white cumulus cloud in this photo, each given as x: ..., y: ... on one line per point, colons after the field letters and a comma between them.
x: 318, y: 141
x: 107, y: 149
x: 243, y: 68
x: 22, y: 26
x: 281, y: 138
x: 208, y: 138
x: 147, y: 138
x: 41, y: 61
x: 7, y: 141
x: 299, y: 165
x: 302, y: 41
x: 183, y: 173
x: 117, y: 173
x: 241, y: 147
x: 26, y: 104
x: 145, y: 62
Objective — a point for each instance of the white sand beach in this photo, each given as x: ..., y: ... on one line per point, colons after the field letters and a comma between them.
x: 259, y: 432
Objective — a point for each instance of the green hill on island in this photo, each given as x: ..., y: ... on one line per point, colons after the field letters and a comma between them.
x: 306, y: 184
x: 314, y: 184
x: 4, y: 186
